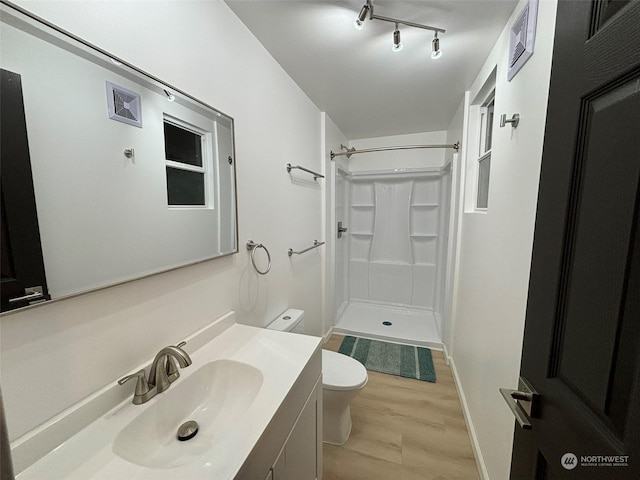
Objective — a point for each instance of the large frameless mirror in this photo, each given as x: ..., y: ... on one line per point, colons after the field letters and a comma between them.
x: 108, y: 174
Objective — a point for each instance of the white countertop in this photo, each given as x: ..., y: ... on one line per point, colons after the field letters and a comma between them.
x: 280, y: 357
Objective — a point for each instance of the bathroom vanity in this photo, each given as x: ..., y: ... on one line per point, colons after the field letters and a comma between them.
x: 255, y: 393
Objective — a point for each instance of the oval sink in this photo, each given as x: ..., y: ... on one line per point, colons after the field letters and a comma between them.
x: 214, y: 396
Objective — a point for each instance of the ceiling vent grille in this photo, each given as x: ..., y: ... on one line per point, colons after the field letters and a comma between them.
x: 124, y: 105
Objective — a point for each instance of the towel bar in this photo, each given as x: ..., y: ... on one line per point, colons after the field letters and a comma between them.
x: 316, y: 244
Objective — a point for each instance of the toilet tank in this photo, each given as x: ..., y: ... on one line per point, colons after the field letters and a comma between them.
x: 289, y: 321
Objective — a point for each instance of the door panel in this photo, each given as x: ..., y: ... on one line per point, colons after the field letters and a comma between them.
x: 600, y: 244
x: 22, y: 260
x: 582, y: 331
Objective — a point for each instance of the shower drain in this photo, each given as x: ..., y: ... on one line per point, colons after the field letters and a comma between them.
x: 387, y: 324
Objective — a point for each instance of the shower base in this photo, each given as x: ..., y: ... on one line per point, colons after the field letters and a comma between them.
x: 408, y: 326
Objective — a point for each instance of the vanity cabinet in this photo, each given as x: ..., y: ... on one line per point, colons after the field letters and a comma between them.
x: 291, y: 446
x: 258, y: 397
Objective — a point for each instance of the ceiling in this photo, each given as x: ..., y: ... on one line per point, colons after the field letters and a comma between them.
x: 367, y: 89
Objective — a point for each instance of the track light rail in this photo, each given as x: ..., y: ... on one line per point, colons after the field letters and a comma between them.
x: 407, y: 23
x: 367, y: 8
x: 455, y: 146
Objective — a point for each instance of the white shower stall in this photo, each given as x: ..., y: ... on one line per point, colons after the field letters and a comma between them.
x: 391, y: 261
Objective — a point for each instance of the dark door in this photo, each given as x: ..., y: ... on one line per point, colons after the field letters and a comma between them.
x: 582, y: 332
x: 23, y: 278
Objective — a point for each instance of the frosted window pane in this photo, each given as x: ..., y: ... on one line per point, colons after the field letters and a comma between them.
x: 484, y: 165
x: 185, y: 187
x: 182, y: 146
x: 489, y: 128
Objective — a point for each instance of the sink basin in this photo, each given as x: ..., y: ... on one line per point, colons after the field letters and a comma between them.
x: 215, y: 395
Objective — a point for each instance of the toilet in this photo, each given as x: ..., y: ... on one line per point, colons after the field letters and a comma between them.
x: 342, y: 379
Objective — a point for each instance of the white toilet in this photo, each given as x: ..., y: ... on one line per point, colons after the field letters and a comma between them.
x: 342, y: 379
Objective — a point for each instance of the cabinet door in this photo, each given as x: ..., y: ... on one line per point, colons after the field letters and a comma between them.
x: 279, y: 469
x: 302, y: 446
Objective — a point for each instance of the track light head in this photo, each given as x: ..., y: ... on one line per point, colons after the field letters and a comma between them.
x: 397, y: 44
x: 359, y: 21
x: 435, y: 47
x: 170, y: 96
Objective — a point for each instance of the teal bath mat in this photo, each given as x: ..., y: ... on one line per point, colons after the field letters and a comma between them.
x: 392, y: 358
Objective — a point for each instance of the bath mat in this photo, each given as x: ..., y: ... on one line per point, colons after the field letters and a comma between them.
x: 392, y: 358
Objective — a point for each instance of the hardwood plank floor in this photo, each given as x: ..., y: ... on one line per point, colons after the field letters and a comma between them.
x: 404, y: 429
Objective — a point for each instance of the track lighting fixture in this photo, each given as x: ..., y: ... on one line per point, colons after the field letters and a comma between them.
x: 435, y: 47
x: 359, y: 21
x: 170, y: 96
x: 397, y: 44
x: 367, y: 9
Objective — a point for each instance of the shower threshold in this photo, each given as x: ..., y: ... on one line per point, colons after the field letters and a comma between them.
x: 390, y: 323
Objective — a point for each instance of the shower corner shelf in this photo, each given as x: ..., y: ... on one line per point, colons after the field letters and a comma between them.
x: 391, y: 262
x: 362, y: 234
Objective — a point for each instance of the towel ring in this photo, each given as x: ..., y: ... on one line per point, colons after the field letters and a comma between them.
x: 251, y: 245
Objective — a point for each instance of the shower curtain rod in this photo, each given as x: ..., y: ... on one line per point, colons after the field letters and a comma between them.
x: 353, y: 151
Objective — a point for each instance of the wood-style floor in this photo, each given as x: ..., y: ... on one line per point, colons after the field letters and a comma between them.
x: 404, y: 429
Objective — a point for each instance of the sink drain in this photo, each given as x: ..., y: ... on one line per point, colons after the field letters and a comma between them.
x: 387, y: 324
x: 187, y: 430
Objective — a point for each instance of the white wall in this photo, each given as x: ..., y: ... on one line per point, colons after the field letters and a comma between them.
x: 495, y: 248
x: 333, y: 277
x: 54, y: 355
x: 400, y: 158
x: 454, y: 134
x: 343, y: 187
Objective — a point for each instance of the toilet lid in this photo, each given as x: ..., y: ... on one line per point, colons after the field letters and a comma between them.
x: 340, y: 372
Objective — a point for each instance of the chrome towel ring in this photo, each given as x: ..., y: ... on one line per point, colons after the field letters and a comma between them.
x: 251, y: 245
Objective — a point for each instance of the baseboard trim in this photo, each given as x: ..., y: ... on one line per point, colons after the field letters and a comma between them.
x: 327, y: 336
x: 447, y: 358
x: 482, y: 468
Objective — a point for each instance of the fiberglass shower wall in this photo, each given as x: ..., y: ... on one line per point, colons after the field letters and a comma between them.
x: 397, y: 239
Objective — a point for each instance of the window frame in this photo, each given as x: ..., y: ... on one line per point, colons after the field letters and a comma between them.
x: 486, y: 123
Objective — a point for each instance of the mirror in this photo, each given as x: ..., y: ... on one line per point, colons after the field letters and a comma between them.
x: 130, y: 176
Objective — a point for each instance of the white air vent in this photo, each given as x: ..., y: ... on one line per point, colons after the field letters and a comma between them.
x: 124, y: 105
x: 523, y: 34
x: 519, y: 34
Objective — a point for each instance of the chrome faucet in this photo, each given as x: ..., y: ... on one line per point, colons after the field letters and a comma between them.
x: 163, y: 371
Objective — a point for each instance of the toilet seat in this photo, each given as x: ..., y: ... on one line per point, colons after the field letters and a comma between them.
x: 340, y: 372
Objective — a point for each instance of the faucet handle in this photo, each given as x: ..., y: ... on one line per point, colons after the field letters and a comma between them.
x: 142, y: 387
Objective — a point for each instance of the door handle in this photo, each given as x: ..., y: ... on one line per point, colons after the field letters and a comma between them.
x: 32, y: 293
x: 341, y: 229
x: 524, y: 403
